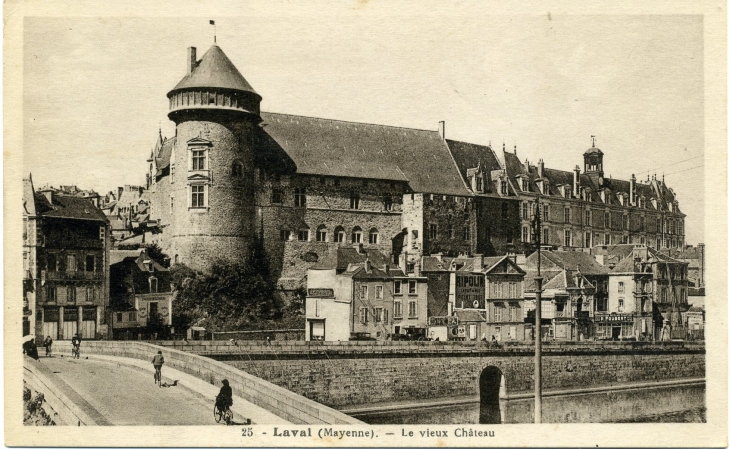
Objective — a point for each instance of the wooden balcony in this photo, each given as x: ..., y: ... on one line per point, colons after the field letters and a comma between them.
x: 73, y: 275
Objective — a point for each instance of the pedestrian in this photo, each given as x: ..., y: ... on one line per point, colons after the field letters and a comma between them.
x: 47, y: 343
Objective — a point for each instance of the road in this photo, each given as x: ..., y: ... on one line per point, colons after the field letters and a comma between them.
x: 127, y: 395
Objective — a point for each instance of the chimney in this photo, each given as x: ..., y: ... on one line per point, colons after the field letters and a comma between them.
x: 48, y: 193
x: 368, y: 265
x: 540, y: 168
x: 442, y: 130
x: 192, y: 59
x: 632, y: 190
x: 576, y: 182
x: 701, y: 247
x: 479, y: 259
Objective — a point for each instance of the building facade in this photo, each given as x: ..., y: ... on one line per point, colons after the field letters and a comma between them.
x: 66, y: 252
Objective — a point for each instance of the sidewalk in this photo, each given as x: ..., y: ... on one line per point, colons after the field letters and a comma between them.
x: 241, y: 408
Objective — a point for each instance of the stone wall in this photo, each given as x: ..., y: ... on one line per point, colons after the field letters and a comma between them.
x: 343, y: 374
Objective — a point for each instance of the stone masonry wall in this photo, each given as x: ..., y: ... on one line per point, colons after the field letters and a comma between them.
x: 353, y: 374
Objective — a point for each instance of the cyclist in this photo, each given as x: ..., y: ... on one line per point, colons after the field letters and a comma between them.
x: 157, y: 362
x: 225, y: 396
x: 48, y: 342
x: 76, y: 342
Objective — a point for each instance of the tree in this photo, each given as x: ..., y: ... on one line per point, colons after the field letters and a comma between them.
x: 155, y: 253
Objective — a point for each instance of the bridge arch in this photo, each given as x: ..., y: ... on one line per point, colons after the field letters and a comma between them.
x: 491, y: 390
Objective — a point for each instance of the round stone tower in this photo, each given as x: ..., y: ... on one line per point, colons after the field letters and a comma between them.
x: 212, y: 162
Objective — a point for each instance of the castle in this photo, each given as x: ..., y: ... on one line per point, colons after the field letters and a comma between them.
x: 307, y: 186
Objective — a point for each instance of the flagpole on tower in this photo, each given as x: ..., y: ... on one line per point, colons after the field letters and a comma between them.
x: 212, y: 22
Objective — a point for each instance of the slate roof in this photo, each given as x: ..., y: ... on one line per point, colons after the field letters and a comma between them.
x: 118, y: 255
x: 328, y: 147
x: 72, y: 207
x: 162, y: 159
x: 569, y: 260
x: 431, y: 263
x: 346, y: 256
x: 626, y: 265
x: 469, y: 156
x: 214, y: 70
x: 469, y: 316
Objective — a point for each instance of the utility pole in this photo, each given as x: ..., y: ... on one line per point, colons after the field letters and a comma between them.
x: 538, y: 318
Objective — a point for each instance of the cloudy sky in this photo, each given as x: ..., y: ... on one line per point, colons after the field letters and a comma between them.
x: 95, y: 88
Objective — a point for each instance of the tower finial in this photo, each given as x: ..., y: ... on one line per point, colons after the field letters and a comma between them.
x: 594, y: 140
x: 212, y: 22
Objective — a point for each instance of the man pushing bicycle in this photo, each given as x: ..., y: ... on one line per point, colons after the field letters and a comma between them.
x: 157, y: 361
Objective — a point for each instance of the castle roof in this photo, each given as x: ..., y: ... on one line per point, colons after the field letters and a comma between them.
x: 469, y: 156
x: 327, y: 147
x: 593, y: 150
x: 162, y: 158
x: 214, y: 70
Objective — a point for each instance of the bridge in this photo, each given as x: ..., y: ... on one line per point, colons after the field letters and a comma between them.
x: 112, y: 384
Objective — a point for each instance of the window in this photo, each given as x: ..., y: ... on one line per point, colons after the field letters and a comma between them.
x: 412, y: 288
x: 153, y: 285
x: 625, y: 239
x: 119, y: 317
x: 525, y: 234
x: 364, y: 292
x: 363, y: 315
x: 524, y: 211
x: 51, y: 262
x: 410, y: 267
x: 625, y: 222
x: 479, y: 183
x: 587, y: 239
x: 588, y: 218
x: 378, y: 315
x: 284, y: 235
x: 300, y: 197
x: 546, y: 212
x: 198, y: 159
x: 503, y: 188
x: 607, y: 239
x: 387, y: 203
x: 70, y: 262
x: 51, y: 293
x: 397, y: 288
x: 276, y: 196
x: 237, y: 169
x: 321, y: 234
x: 356, y: 235
x: 567, y: 237
x: 620, y: 287
x: 512, y: 290
x: 71, y: 294
x: 545, y: 236
x: 303, y: 235
x: 642, y: 223
x: 433, y: 231
x: 354, y: 200
x: 412, y: 309
x: 197, y: 196
x: 606, y: 220
x: 658, y: 243
x: 498, y: 311
x: 567, y: 214
x: 450, y: 231
x: 172, y: 203
x: 467, y: 233
x: 339, y: 235
x: 379, y: 292
x: 620, y: 304
x: 90, y: 263
x: 397, y: 309
x: 373, y: 237
x: 102, y: 233
x: 172, y: 173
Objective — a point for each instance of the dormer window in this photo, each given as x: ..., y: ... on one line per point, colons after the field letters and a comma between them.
x: 480, y: 185
x: 525, y: 185
x: 503, y: 186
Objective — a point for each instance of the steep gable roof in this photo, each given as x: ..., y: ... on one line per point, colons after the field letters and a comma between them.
x: 569, y: 260
x: 470, y: 155
x: 327, y: 147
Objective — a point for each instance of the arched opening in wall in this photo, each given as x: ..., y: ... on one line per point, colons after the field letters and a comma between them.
x: 491, y: 388
x: 339, y: 234
x: 356, y: 235
x: 177, y: 259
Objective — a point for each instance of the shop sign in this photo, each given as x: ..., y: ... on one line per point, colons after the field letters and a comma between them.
x: 321, y: 292
x: 613, y: 318
x: 443, y: 321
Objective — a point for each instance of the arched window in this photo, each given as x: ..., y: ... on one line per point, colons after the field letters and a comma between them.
x: 322, y: 234
x: 339, y: 234
x: 237, y: 169
x: 373, y: 237
x: 177, y: 259
x: 356, y: 235
x: 303, y: 235
x: 285, y: 235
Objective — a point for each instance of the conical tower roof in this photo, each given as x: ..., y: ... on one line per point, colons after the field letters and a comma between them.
x: 214, y: 70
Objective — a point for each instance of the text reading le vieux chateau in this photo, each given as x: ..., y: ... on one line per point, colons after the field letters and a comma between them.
x: 328, y: 432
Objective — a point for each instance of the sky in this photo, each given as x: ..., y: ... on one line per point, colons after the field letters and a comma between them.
x: 94, y: 93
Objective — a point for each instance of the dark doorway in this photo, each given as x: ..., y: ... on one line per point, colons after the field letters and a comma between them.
x: 490, y: 383
x: 615, y: 333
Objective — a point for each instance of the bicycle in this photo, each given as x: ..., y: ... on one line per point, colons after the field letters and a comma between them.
x: 76, y: 352
x: 224, y: 414
x: 158, y: 376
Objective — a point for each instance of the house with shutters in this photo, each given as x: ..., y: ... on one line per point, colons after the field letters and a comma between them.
x: 66, y: 243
